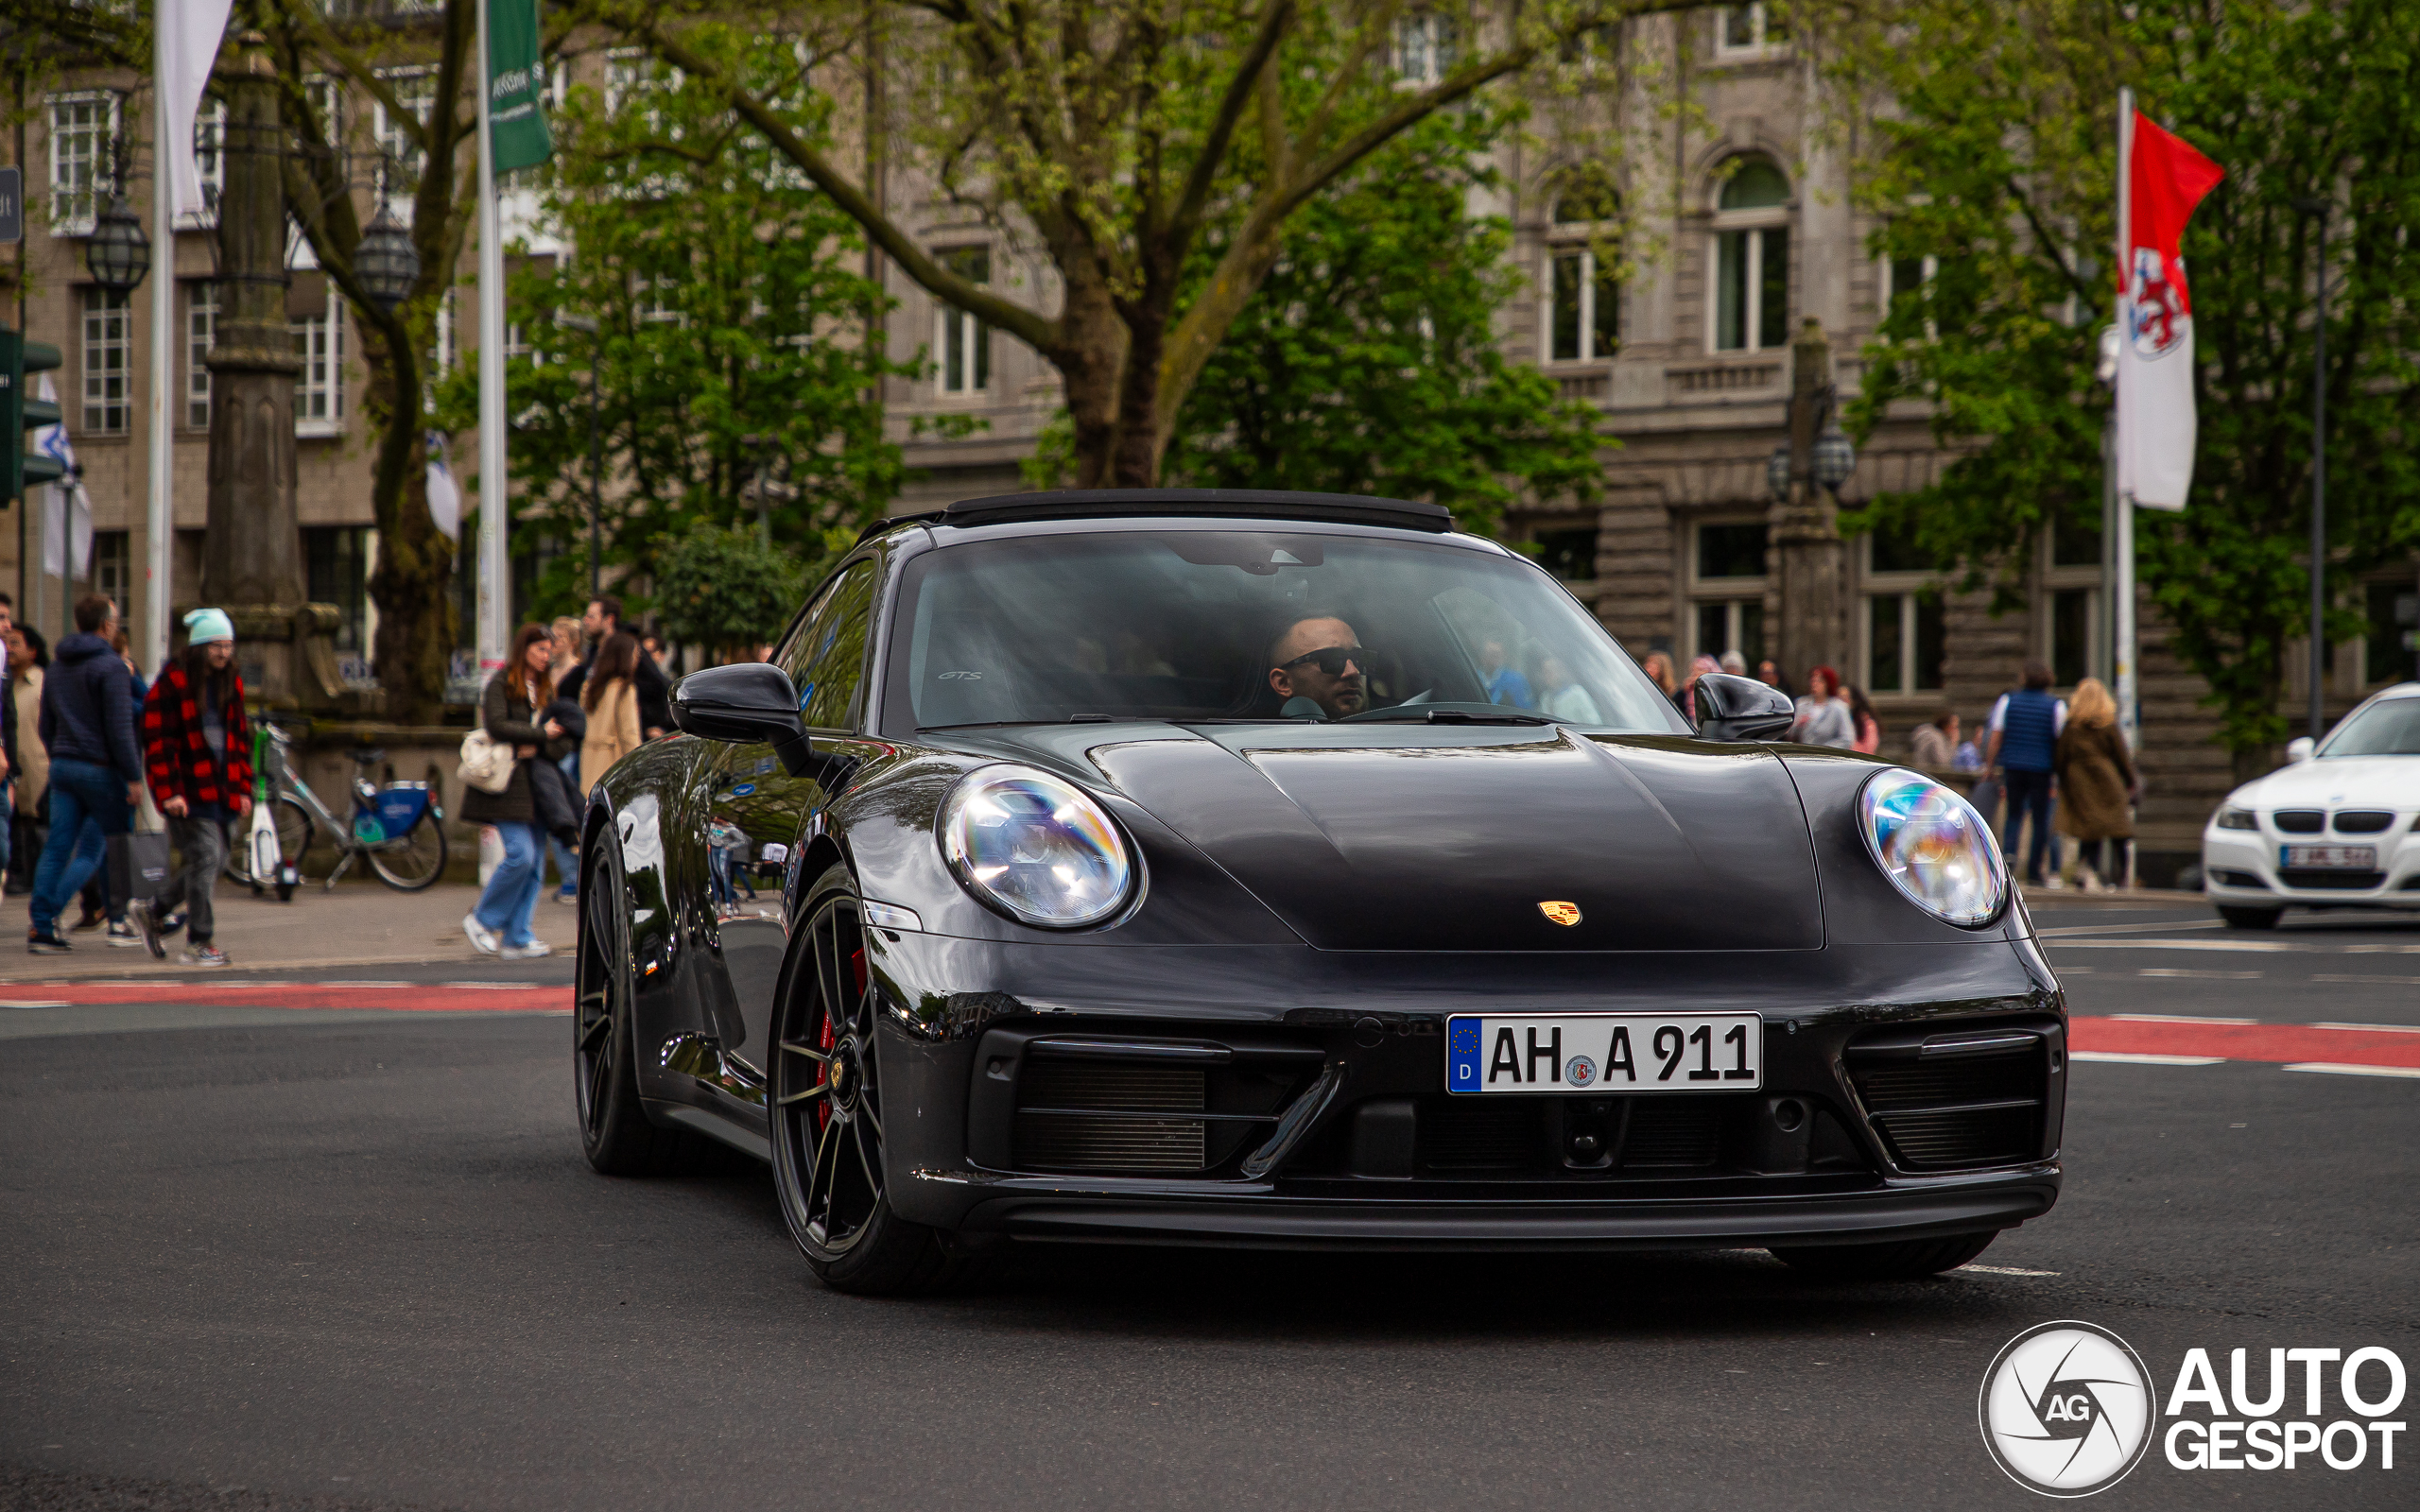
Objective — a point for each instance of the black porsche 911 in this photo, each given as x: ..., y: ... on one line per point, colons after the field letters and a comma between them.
x: 1290, y: 870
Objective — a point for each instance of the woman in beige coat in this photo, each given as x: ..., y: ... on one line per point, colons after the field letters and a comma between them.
x: 612, y: 698
x: 2098, y: 784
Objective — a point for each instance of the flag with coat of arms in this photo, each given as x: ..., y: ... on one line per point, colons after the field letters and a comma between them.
x: 2157, y: 428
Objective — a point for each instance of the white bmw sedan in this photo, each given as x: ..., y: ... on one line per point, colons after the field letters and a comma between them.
x: 2338, y: 827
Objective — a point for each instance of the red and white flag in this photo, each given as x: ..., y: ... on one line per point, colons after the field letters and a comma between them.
x: 2165, y: 180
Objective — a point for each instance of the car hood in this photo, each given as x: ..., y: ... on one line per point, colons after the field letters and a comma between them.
x: 2332, y: 782
x: 1385, y: 837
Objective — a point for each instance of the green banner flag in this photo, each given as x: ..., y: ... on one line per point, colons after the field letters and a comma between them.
x: 516, y: 120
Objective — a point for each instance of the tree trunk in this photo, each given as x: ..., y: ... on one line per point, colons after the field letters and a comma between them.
x: 411, y: 585
x: 1089, y: 363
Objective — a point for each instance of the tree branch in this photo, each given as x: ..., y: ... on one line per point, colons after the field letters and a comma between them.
x: 306, y: 18
x: 1277, y: 16
x: 2050, y: 243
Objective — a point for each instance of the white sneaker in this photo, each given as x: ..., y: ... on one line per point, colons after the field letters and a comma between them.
x: 482, y: 939
x: 526, y: 952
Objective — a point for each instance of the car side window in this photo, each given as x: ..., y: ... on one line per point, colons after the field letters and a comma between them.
x: 828, y: 663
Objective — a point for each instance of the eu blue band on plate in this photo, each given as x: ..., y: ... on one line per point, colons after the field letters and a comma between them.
x: 1463, y: 1054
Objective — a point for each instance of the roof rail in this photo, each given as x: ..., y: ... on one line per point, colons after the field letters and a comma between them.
x: 1254, y: 504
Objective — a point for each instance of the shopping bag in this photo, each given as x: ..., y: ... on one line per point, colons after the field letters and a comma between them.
x: 138, y: 864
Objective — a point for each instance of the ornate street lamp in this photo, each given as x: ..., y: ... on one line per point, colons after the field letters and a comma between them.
x: 118, y: 255
x: 386, y: 261
x: 1778, y: 474
x: 1835, y: 458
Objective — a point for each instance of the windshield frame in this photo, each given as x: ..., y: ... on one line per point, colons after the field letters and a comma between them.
x: 893, y: 716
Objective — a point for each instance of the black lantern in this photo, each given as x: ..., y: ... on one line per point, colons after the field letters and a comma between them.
x: 1778, y: 474
x: 386, y: 261
x: 118, y: 255
x: 1835, y: 458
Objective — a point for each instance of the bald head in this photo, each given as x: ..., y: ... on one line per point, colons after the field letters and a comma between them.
x: 1295, y: 670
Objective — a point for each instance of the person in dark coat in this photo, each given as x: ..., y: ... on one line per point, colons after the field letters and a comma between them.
x: 603, y: 620
x: 96, y: 766
x: 511, y: 710
x: 2098, y: 782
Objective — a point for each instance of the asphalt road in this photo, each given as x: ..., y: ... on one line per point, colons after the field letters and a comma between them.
x: 286, y: 1257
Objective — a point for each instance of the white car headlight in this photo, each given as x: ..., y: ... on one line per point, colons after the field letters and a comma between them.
x: 2232, y: 817
x: 1036, y: 847
x: 1934, y: 846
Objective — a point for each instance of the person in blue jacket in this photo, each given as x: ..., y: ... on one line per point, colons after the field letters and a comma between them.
x: 2025, y: 728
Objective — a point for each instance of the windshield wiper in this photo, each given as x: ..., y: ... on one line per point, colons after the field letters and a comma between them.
x: 1432, y: 715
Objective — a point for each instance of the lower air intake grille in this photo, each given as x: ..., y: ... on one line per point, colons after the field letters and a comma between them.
x: 1480, y: 1134
x: 1950, y: 1110
x: 1089, y: 1115
x: 2237, y: 879
x: 2329, y: 879
x: 1678, y: 1132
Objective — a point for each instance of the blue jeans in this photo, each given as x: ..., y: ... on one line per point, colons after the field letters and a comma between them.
x: 510, y: 897
x: 82, y: 795
x: 2028, y: 792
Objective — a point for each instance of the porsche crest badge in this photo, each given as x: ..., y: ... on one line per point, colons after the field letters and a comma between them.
x: 1559, y: 913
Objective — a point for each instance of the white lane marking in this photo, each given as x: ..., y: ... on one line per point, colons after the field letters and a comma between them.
x: 2204, y: 976
x: 2007, y: 1270
x: 2076, y: 971
x: 2375, y: 1028
x: 2354, y: 1071
x: 2125, y: 929
x: 2175, y: 1018
x: 2260, y: 945
x: 35, y: 1002
x: 2349, y: 976
x: 2383, y: 950
x: 2130, y: 1058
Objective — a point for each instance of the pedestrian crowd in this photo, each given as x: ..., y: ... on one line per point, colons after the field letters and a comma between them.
x: 573, y: 698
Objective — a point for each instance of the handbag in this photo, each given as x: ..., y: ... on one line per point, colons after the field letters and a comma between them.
x: 487, y: 762
x: 138, y: 864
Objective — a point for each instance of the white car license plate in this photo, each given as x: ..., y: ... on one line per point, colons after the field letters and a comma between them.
x: 1605, y: 1052
x: 2348, y: 857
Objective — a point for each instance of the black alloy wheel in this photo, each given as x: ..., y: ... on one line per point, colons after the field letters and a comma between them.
x: 614, y: 1132
x: 1903, y: 1259
x: 827, y: 1112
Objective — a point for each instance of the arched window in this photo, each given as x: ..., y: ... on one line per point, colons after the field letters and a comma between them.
x: 1750, y: 310
x: 1583, y: 285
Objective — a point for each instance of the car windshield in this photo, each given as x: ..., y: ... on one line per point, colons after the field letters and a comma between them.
x: 1187, y: 626
x: 2388, y: 728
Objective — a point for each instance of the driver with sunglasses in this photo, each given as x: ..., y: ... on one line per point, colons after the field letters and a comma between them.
x: 1321, y: 669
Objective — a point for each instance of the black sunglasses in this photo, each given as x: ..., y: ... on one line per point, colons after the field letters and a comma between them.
x: 1331, y: 659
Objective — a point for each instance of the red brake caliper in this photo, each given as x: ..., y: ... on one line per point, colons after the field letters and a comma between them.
x: 824, y: 1041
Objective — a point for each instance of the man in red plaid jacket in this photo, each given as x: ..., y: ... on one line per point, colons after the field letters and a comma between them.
x: 197, y: 748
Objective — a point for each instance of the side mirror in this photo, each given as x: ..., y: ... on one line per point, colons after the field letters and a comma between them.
x: 1735, y: 708
x: 744, y: 702
x: 2299, y: 748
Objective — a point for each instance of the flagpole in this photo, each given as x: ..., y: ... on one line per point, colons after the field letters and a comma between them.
x: 159, y: 518
x: 494, y: 576
x: 2122, y: 615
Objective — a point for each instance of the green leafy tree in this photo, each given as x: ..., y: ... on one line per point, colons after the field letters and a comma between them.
x: 731, y: 372
x: 1369, y: 361
x: 723, y: 589
x: 1996, y: 159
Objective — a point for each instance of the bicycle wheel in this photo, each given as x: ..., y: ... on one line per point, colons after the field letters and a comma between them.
x: 414, y: 859
x: 295, y: 834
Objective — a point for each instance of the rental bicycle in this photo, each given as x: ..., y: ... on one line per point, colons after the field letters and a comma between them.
x: 397, y: 829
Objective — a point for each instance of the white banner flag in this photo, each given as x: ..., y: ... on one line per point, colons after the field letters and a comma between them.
x: 445, y: 499
x: 67, y: 514
x: 2157, y: 428
x: 189, y: 37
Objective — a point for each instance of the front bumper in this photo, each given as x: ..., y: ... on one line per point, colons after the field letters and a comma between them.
x: 1323, y: 1123
x: 2242, y: 868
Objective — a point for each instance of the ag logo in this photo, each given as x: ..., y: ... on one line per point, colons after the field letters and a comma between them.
x: 2066, y: 1409
x: 1559, y: 913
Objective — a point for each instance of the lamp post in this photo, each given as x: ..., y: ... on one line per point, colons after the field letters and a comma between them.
x: 587, y: 324
x: 118, y: 255
x: 386, y: 261
x: 2316, y: 208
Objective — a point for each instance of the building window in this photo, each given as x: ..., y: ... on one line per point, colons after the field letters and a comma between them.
x: 2390, y: 649
x: 210, y: 157
x: 107, y: 320
x: 83, y: 127
x: 318, y: 388
x: 1426, y: 48
x: 335, y: 561
x: 201, y: 329
x: 963, y: 342
x: 1751, y: 306
x: 399, y: 150
x: 2073, y: 611
x: 1583, y: 294
x: 1750, y: 28
x: 1727, y: 591
x: 1569, y: 552
x: 112, y: 567
x: 1905, y: 634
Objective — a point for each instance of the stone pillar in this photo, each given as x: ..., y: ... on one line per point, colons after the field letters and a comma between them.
x: 251, y: 555
x: 1805, y: 528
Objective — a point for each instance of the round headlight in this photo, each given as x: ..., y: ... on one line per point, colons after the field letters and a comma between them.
x: 1934, y: 846
x: 1036, y: 847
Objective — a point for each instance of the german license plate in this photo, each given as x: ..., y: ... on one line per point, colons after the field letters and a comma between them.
x: 1605, y: 1052
x: 2348, y: 857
